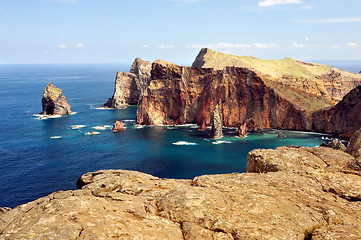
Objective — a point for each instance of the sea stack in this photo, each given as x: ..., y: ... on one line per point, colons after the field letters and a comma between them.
x: 54, y: 102
x: 217, y: 122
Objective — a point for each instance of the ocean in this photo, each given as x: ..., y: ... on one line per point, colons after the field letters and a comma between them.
x: 41, y: 156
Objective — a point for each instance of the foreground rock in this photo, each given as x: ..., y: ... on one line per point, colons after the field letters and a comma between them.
x: 130, y: 87
x: 288, y: 193
x: 54, y: 102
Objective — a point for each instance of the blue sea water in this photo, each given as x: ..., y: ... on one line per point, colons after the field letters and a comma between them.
x: 41, y: 156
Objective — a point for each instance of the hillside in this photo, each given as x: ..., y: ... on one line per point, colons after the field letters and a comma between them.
x: 310, y: 86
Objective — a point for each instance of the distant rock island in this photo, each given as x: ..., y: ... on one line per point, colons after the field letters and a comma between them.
x: 261, y: 94
x: 54, y: 102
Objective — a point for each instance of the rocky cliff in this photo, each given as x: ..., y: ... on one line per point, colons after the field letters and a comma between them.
x: 344, y: 117
x: 282, y: 94
x: 307, y: 85
x: 129, y: 87
x: 287, y: 193
x: 54, y: 102
x: 178, y: 95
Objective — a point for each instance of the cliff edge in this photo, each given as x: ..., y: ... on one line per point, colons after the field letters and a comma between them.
x: 287, y: 193
x: 130, y: 87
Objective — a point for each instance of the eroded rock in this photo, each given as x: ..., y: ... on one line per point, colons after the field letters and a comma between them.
x: 287, y: 193
x: 54, y: 102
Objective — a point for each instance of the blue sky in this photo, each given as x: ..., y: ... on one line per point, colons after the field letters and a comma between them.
x: 77, y: 31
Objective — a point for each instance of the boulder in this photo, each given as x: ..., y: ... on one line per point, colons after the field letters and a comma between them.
x: 54, y: 102
x: 118, y: 126
x: 287, y: 193
x: 335, y: 144
x: 354, y: 145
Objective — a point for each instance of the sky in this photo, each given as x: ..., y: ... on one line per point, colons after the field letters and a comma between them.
x: 117, y: 31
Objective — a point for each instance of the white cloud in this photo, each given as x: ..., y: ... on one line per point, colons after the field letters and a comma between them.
x: 62, y: 46
x: 166, y: 46
x: 264, y: 45
x: 352, y: 44
x: 80, y: 45
x: 224, y: 45
x: 307, y: 38
x: 299, y: 45
x: 331, y: 20
x: 145, y: 46
x: 270, y: 3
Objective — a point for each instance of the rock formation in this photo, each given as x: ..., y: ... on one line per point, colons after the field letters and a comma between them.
x: 344, y: 117
x: 118, y: 126
x: 296, y: 81
x: 217, y: 122
x: 242, y: 130
x: 287, y: 193
x: 129, y: 87
x: 282, y: 94
x: 354, y: 145
x: 178, y: 95
x: 54, y: 102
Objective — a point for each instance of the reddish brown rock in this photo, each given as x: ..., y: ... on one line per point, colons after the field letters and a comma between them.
x: 242, y: 130
x: 129, y: 87
x: 54, y: 102
x: 180, y: 95
x: 118, y: 126
x: 343, y: 118
x: 354, y: 146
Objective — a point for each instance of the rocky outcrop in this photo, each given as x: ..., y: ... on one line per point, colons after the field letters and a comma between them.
x: 307, y: 85
x: 217, y: 122
x: 118, y: 126
x: 129, y: 87
x: 344, y: 117
x: 54, y: 102
x: 287, y: 193
x: 354, y: 145
x: 178, y: 95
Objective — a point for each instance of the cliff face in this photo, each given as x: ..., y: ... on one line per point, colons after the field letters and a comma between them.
x: 344, y: 117
x: 129, y: 87
x: 54, y: 102
x: 308, y: 85
x: 178, y: 95
x: 307, y: 193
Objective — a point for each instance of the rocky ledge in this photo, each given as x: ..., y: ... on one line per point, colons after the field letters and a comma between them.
x: 287, y: 193
x: 54, y: 102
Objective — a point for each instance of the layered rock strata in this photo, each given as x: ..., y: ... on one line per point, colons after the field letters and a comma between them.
x: 287, y: 193
x: 344, y: 117
x: 312, y: 85
x: 130, y: 87
x: 54, y: 102
x: 178, y: 95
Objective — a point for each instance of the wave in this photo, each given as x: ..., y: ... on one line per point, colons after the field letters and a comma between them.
x: 55, y: 137
x: 184, y: 143
x: 91, y: 133
x: 72, y: 113
x: 128, y: 120
x: 138, y: 126
x: 221, y: 142
x: 44, y: 117
x: 102, y: 127
x: 77, y: 126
